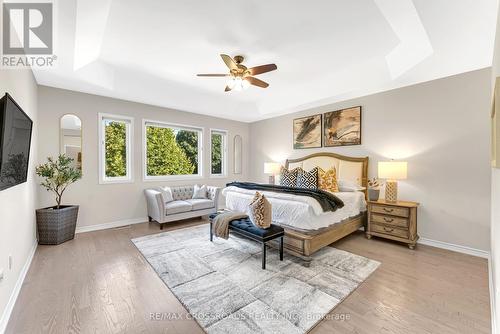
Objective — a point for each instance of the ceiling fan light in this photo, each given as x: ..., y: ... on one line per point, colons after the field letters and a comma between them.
x: 238, y: 85
x: 245, y: 84
x: 231, y: 82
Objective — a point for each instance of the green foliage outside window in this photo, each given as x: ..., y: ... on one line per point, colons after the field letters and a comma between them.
x: 168, y: 154
x: 116, y: 149
x: 188, y: 142
x: 216, y: 153
x: 169, y: 151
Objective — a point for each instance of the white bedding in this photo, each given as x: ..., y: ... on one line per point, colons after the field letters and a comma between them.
x: 301, y: 212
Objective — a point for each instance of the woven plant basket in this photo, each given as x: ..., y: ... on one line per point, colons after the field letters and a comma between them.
x: 56, y: 226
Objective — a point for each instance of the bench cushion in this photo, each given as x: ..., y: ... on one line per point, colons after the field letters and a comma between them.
x: 174, y: 207
x: 246, y: 225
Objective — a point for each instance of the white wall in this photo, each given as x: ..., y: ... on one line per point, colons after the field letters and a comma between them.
x: 440, y: 127
x: 495, y: 206
x: 18, y: 204
x: 109, y: 203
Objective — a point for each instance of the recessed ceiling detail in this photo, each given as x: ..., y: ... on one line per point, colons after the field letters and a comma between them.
x: 149, y: 51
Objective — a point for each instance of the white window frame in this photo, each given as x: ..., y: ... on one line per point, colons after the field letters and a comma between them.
x: 224, y: 134
x: 129, y: 135
x: 200, y: 130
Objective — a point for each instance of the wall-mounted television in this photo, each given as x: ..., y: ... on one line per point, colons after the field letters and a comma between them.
x: 15, y: 141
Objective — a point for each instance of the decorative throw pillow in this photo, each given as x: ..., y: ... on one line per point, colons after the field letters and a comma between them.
x: 327, y: 180
x: 166, y: 194
x: 308, y: 180
x: 288, y: 178
x: 200, y: 192
x: 350, y: 186
x: 260, y: 211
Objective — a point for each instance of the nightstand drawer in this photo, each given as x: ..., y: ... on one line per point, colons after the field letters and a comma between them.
x: 390, y: 210
x: 394, y: 231
x: 389, y: 220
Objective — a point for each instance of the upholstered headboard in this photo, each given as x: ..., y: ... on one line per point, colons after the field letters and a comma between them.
x: 348, y: 168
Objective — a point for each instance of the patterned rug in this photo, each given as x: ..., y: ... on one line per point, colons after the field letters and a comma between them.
x: 222, y: 285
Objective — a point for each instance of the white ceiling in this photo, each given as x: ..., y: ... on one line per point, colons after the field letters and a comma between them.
x: 149, y: 51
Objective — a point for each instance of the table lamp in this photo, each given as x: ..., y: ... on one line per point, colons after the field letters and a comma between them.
x: 392, y: 171
x: 272, y: 168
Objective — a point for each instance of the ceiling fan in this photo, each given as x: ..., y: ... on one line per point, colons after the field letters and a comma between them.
x: 241, y: 77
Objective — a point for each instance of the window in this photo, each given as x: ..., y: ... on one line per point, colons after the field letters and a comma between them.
x: 171, y: 151
x: 115, y: 152
x: 218, y: 152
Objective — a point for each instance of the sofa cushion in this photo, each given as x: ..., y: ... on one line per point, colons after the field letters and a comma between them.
x: 174, y: 207
x: 166, y: 194
x: 200, y: 204
x: 199, y: 192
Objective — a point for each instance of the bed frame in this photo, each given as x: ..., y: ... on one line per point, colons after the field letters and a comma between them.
x: 305, y: 243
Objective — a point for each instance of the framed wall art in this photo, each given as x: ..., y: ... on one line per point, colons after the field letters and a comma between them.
x: 342, y: 127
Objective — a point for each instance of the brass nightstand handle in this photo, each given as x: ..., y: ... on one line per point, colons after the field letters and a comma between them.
x: 388, y: 210
x: 388, y: 229
x: 389, y: 220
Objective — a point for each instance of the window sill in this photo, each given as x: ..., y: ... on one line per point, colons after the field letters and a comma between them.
x: 115, y: 181
x: 218, y: 176
x: 172, y: 178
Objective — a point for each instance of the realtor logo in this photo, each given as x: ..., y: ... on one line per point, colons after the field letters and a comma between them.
x: 27, y: 28
x: 28, y: 35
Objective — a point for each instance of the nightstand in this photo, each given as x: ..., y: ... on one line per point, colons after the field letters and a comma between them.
x: 393, y: 220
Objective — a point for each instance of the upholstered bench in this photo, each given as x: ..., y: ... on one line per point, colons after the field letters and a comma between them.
x: 246, y: 228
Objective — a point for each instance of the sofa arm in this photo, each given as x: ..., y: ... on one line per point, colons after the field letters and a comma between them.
x: 156, y: 207
x: 213, y: 194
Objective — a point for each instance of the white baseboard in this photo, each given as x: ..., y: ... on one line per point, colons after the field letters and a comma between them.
x: 120, y: 223
x: 455, y: 248
x: 17, y: 288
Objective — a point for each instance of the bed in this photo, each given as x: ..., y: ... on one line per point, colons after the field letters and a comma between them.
x: 307, y: 228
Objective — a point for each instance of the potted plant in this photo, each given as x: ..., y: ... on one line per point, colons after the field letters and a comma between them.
x: 57, y: 224
x: 374, y: 186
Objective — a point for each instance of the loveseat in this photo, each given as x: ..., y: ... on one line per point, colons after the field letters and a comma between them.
x: 182, y: 205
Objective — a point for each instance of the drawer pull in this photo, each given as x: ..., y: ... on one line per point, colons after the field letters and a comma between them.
x: 388, y: 210
x: 388, y: 229
x: 388, y: 220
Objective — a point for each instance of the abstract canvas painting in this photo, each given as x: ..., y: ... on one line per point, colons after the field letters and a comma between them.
x: 343, y: 127
x: 307, y: 132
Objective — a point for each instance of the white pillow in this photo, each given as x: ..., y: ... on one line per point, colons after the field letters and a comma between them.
x: 349, y: 186
x: 200, y: 192
x: 166, y: 194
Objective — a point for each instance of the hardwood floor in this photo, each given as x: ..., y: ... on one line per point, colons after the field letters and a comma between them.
x: 99, y: 283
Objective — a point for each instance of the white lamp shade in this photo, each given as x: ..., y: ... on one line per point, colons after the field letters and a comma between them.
x: 393, y: 170
x: 271, y: 168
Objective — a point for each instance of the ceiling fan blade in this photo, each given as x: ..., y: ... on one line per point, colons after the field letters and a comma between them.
x: 229, y: 62
x: 212, y: 75
x: 257, y: 82
x: 262, y: 69
x: 227, y: 89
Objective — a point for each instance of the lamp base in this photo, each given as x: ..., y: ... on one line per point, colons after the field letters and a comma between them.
x: 271, y: 179
x: 391, y: 191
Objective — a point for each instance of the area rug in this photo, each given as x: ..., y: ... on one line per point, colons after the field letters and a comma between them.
x: 224, y: 288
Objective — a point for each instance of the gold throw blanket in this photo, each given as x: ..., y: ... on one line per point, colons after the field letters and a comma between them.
x: 222, y: 220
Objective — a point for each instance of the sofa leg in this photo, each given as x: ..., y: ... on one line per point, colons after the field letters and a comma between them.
x: 161, y: 226
x: 150, y: 219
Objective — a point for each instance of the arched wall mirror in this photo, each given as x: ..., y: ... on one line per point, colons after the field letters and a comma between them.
x: 238, y: 143
x: 71, y: 138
